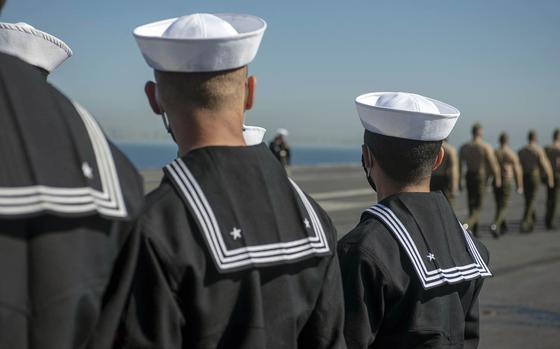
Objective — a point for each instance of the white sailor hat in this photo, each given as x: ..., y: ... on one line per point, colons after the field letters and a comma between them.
x: 33, y: 46
x: 201, y: 42
x: 406, y: 115
x: 253, y: 134
x: 282, y: 132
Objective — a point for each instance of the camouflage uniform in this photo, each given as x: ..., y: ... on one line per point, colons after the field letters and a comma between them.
x: 553, y: 154
x: 446, y: 176
x: 481, y: 164
x: 510, y: 170
x: 535, y: 167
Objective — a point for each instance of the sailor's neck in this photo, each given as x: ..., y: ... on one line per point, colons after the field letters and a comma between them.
x: 388, y: 189
x: 477, y: 139
x: 203, y: 129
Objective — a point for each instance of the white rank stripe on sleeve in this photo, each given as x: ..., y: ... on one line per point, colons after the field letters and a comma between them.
x: 260, y: 254
x: 108, y: 201
x: 435, y: 277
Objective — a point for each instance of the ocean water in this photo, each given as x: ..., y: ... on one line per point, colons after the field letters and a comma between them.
x: 147, y: 155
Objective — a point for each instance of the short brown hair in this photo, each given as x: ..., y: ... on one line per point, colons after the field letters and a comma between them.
x: 504, y: 138
x: 556, y: 134
x: 475, y: 128
x: 206, y: 90
x: 405, y: 161
x: 2, y: 2
x: 532, y: 135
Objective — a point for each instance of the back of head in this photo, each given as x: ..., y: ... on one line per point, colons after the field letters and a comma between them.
x: 532, y: 136
x: 404, y: 161
x: 212, y: 91
x: 556, y: 135
x: 504, y: 138
x: 2, y: 2
x: 476, y: 130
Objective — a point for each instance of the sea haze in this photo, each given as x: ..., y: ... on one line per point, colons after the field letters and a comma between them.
x: 149, y: 155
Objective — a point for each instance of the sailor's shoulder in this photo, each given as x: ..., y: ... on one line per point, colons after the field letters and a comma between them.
x: 325, y: 219
x: 370, y: 236
x: 162, y: 198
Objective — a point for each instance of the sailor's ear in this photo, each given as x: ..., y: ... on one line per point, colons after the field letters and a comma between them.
x: 250, y: 87
x: 152, y: 94
x: 367, y: 155
x: 439, y: 158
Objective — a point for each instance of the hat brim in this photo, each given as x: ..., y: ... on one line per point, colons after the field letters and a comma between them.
x: 404, y: 123
x: 33, y: 46
x: 201, y: 54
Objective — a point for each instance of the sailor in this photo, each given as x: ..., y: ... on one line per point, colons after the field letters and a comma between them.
x: 234, y: 253
x: 66, y: 197
x: 536, y: 168
x: 411, y: 272
x: 481, y: 164
x: 553, y: 154
x: 510, y: 170
x: 279, y: 147
x: 446, y: 177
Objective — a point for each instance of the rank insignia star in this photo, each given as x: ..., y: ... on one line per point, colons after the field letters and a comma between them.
x: 431, y: 256
x: 87, y: 171
x: 235, y: 233
x: 307, y: 224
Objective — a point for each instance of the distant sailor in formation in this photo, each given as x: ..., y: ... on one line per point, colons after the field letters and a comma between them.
x: 445, y: 178
x: 553, y: 193
x: 411, y: 272
x: 234, y: 254
x: 66, y: 195
x: 510, y: 170
x: 279, y: 147
x: 536, y: 170
x: 481, y: 165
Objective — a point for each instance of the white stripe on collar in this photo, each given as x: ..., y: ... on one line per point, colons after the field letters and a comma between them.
x: 108, y: 201
x: 227, y: 259
x: 435, y: 277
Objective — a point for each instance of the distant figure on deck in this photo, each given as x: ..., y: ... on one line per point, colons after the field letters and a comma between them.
x: 279, y: 147
x: 510, y: 170
x: 446, y: 177
x: 553, y: 154
x: 481, y: 165
x: 536, y: 169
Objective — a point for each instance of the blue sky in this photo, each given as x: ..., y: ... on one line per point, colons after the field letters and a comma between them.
x: 497, y: 61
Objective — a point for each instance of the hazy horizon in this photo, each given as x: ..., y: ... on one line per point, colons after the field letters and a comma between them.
x: 495, y: 61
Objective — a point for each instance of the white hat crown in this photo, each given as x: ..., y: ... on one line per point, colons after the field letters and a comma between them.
x: 406, y: 115
x: 201, y: 42
x: 408, y: 102
x: 199, y: 26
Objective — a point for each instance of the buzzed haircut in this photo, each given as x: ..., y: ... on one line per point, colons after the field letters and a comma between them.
x: 202, y: 90
x: 405, y: 161
x: 476, y: 128
x: 532, y: 135
x: 504, y: 138
x: 556, y: 134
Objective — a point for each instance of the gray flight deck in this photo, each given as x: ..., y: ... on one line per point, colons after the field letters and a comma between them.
x: 520, y: 305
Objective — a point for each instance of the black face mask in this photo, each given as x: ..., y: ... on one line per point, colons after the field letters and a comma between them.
x: 167, y: 126
x: 370, y: 181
